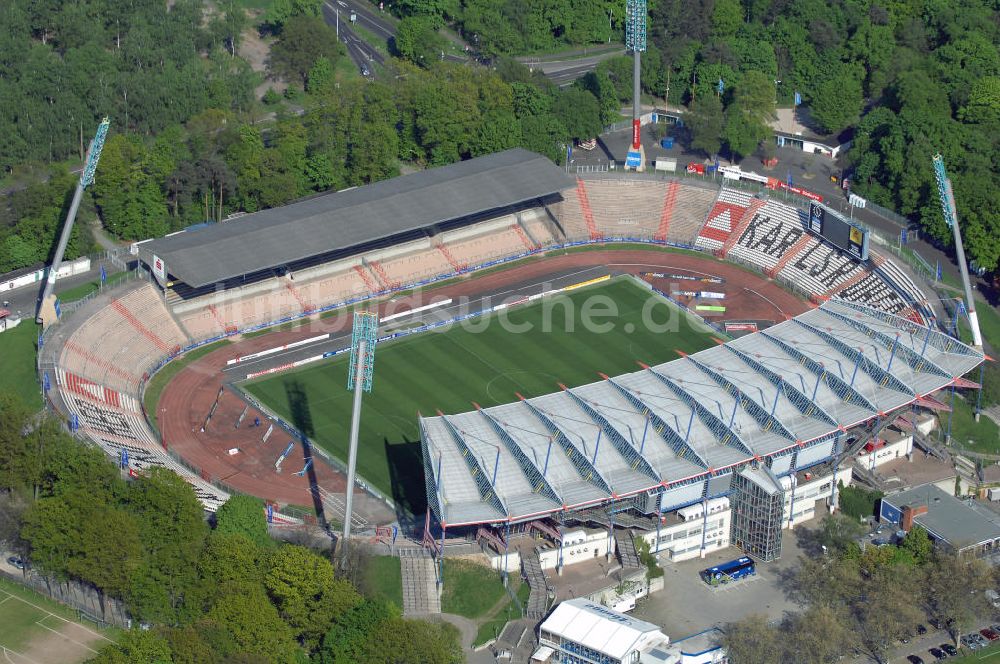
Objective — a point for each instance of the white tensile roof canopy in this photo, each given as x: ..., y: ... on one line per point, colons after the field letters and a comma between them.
x: 798, y: 384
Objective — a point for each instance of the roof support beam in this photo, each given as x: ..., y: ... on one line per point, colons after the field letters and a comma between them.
x: 724, y: 433
x: 537, y: 476
x: 881, y: 377
x: 487, y: 490
x: 754, y: 409
x: 633, y: 456
x: 915, y: 360
x: 669, y: 434
x: 842, y: 389
x: 580, y: 462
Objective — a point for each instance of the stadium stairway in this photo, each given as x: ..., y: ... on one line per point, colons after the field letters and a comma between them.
x: 625, y: 549
x: 419, y: 582
x: 538, y: 598
x: 792, y: 252
x: 669, y: 201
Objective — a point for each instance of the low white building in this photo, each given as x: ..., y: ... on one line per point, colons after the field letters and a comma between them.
x: 891, y: 446
x: 579, y: 631
x: 803, y: 491
x: 687, y: 533
x: 578, y: 545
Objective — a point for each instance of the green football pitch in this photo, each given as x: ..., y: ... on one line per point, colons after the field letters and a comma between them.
x: 528, y: 350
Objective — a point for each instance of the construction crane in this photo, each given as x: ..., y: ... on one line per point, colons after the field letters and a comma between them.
x: 47, y: 312
x: 951, y: 218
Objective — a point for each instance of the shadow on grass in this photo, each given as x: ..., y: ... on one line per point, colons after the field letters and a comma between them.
x: 406, y: 475
x: 298, y: 406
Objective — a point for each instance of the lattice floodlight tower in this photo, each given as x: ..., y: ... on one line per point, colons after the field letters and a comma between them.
x: 635, y: 41
x: 951, y: 218
x: 359, y: 378
x: 47, y: 311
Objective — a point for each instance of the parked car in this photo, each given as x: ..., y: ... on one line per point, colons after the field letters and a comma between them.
x: 989, y: 634
x: 950, y: 649
x: 938, y: 654
x: 913, y: 659
x: 17, y: 561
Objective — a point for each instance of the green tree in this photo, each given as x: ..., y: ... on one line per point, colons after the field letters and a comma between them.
x: 348, y: 640
x: 110, y: 552
x: 727, y: 16
x: 244, y: 515
x: 304, y: 39
x: 173, y: 533
x: 130, y: 201
x: 918, y: 543
x: 418, y: 41
x: 321, y: 75
x: 705, y: 122
x: 136, y: 646
x: 836, y: 102
x: 306, y: 593
x: 281, y: 12
x: 954, y: 591
x: 578, y: 112
x: 753, y: 641
x: 253, y: 623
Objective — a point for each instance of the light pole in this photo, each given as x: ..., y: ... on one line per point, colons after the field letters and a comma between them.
x: 363, y: 337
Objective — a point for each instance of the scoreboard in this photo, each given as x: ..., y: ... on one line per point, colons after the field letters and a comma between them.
x: 839, y: 231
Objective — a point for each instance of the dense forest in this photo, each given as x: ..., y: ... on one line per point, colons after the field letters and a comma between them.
x: 189, y: 142
x: 905, y: 79
x: 205, y: 594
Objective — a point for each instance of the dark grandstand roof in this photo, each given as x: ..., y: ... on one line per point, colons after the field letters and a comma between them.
x: 341, y: 220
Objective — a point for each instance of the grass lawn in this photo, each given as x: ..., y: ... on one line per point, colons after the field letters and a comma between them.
x: 154, y: 389
x: 492, y: 627
x: 982, y: 436
x: 83, y: 290
x: 383, y: 579
x: 483, y: 363
x: 32, y: 623
x: 18, y: 348
x: 471, y: 590
x: 990, y: 654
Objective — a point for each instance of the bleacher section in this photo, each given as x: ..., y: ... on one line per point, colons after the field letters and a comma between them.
x: 768, y: 236
x: 775, y: 241
x: 651, y: 210
x: 120, y: 343
x: 117, y: 430
x: 723, y: 218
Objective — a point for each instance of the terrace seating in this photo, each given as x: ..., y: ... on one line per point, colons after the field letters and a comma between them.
x: 874, y: 291
x: 541, y: 231
x: 768, y: 236
x: 691, y: 208
x: 627, y: 208
x: 122, y: 341
x: 819, y: 268
x: 485, y: 248
x: 723, y: 218
x: 116, y: 430
x: 895, y: 275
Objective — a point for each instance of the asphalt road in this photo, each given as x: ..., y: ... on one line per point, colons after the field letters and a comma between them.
x: 565, y: 72
x: 362, y: 53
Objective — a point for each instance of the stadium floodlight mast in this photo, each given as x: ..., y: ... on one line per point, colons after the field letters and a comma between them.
x: 47, y: 312
x: 947, y: 197
x: 364, y: 334
x: 635, y: 41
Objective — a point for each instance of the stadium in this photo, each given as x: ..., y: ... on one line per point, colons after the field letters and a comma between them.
x: 778, y: 356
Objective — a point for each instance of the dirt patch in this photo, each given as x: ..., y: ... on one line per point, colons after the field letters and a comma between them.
x: 255, y: 50
x: 66, y: 643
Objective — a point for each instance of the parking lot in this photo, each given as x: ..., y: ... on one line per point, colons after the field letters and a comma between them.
x: 687, y: 605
